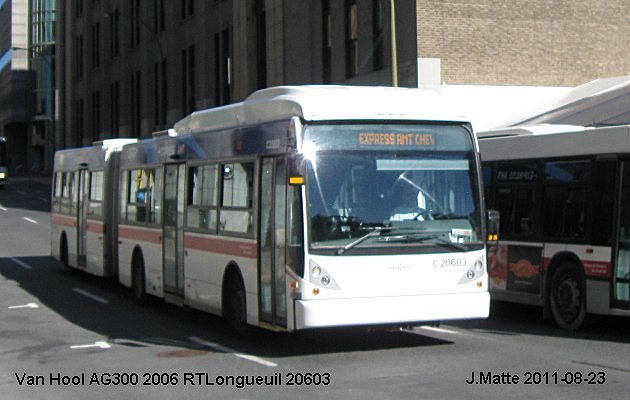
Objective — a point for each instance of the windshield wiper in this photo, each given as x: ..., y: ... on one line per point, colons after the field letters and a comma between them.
x: 435, y: 239
x: 374, y: 231
x: 452, y: 245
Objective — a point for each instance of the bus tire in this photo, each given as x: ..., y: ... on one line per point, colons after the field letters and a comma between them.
x: 138, y: 280
x: 63, y: 255
x: 236, y: 307
x: 567, y: 297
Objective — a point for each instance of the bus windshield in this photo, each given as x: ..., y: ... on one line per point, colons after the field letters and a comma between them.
x: 421, y: 197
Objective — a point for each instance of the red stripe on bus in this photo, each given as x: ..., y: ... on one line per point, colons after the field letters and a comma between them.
x: 96, y: 227
x: 222, y: 246
x: 599, y: 269
x: 63, y: 220
x: 143, y: 235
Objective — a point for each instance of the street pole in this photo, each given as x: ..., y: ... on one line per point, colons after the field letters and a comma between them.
x: 392, y: 6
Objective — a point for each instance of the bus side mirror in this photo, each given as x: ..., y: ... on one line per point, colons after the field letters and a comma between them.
x: 492, y: 223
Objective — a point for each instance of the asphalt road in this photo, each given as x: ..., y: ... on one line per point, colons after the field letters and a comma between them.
x: 74, y: 336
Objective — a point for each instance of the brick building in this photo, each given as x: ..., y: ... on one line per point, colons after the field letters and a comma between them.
x: 128, y: 68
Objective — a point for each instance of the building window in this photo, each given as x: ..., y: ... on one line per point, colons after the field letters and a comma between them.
x: 135, y: 23
x: 188, y: 8
x: 160, y: 93
x: 261, y: 45
x: 79, y: 57
x: 78, y: 7
x: 326, y: 41
x: 378, y: 24
x: 135, y: 104
x: 78, y: 123
x: 188, y: 79
x: 114, y: 116
x: 96, y: 115
x: 114, y: 33
x: 96, y: 45
x: 159, y: 20
x: 223, y: 76
x: 352, y: 38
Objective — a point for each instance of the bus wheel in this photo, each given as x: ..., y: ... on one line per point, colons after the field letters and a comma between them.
x: 138, y: 279
x: 236, y: 310
x: 63, y: 255
x: 567, y: 297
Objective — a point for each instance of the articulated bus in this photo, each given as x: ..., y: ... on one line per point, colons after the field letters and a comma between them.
x: 4, y: 162
x: 83, y: 220
x: 564, y: 197
x: 306, y: 207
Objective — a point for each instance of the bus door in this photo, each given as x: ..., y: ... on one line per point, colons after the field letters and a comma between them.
x: 621, y: 283
x: 82, y: 213
x: 173, y: 235
x: 273, y: 207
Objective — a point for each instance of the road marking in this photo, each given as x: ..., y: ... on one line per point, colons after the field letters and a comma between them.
x: 223, y: 349
x: 452, y: 332
x: 99, y: 344
x: 21, y: 263
x: 441, y: 330
x: 29, y: 305
x: 90, y: 295
x: 32, y: 221
x: 601, y: 366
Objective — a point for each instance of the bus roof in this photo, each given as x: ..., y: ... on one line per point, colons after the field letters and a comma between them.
x: 324, y: 103
x: 90, y: 157
x: 520, y: 143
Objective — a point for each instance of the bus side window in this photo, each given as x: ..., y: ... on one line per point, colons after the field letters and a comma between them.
x: 604, y: 179
x: 565, y: 198
x: 155, y: 203
x: 202, y: 197
x: 141, y: 197
x: 96, y: 193
x: 237, y: 198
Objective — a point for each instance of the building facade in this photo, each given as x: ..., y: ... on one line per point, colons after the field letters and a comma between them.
x: 42, y: 59
x: 127, y: 68
x: 16, y: 82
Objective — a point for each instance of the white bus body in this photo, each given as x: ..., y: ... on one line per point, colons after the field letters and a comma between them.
x: 562, y: 192
x: 81, y: 236
x: 275, y: 212
x: 4, y: 162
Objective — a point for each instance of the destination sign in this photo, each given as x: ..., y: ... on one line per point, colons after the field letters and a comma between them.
x: 389, y: 136
x: 396, y: 139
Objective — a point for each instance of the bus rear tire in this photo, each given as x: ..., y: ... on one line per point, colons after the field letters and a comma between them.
x: 63, y: 255
x: 567, y: 297
x: 236, y: 308
x: 138, y: 280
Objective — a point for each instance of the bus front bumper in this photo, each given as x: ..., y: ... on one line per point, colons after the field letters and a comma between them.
x: 402, y: 310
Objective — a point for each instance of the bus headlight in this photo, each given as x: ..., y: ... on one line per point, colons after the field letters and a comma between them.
x: 476, y: 271
x: 3, y: 175
x: 479, y: 264
x: 321, y: 278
